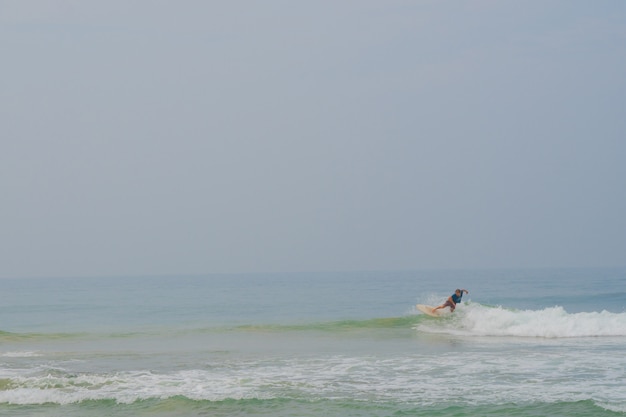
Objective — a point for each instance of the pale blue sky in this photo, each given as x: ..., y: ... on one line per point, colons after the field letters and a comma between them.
x: 160, y: 137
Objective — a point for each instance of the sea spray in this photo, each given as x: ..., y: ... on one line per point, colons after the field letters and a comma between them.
x: 554, y: 322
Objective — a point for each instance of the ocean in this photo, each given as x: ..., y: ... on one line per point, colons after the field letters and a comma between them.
x: 535, y: 342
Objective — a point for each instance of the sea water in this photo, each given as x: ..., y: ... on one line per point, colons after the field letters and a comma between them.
x: 523, y: 342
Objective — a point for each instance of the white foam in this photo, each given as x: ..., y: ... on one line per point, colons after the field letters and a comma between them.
x: 26, y: 354
x: 554, y: 322
x: 418, y: 378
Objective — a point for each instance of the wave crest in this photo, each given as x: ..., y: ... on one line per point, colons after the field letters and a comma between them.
x: 554, y: 322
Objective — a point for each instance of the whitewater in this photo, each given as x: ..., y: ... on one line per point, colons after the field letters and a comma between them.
x: 523, y: 342
x: 550, y: 322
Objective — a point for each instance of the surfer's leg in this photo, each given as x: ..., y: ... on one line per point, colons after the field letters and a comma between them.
x: 446, y: 304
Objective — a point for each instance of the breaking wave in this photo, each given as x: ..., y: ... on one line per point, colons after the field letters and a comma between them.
x: 554, y: 322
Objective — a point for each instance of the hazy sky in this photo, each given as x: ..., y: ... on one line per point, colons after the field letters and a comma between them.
x: 159, y: 137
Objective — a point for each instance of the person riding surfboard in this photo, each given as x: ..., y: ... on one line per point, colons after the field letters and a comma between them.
x: 453, y: 300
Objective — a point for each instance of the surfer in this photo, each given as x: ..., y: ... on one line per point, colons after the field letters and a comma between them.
x: 453, y: 300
